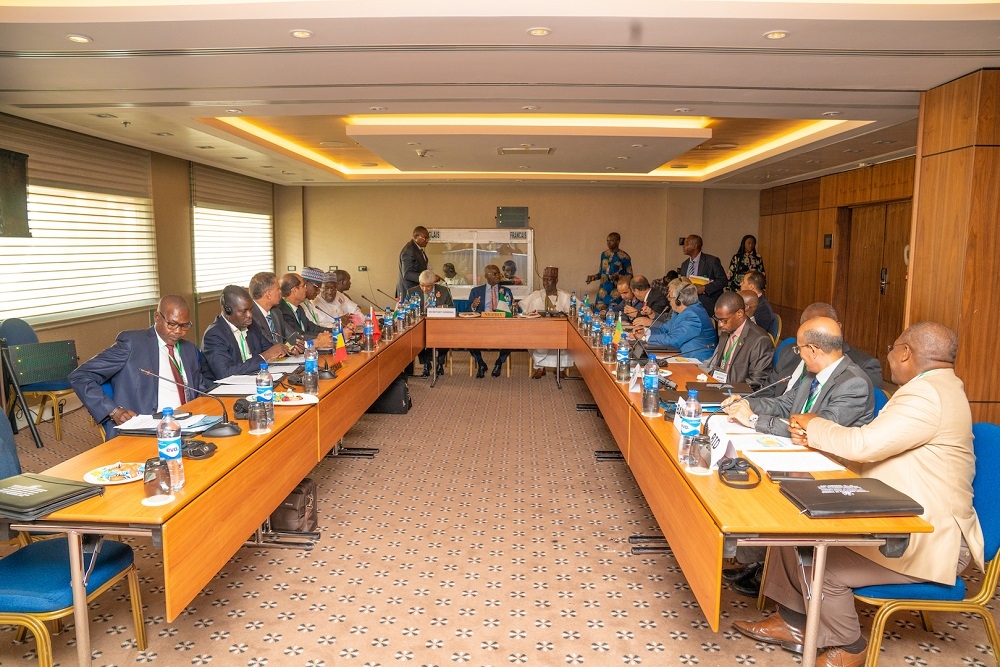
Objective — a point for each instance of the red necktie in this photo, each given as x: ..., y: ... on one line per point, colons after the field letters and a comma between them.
x: 175, y: 369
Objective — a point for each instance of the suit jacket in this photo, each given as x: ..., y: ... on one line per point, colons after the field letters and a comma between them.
x: 788, y: 361
x: 132, y: 390
x: 845, y: 398
x: 656, y: 301
x: 222, y: 356
x: 710, y: 267
x: 307, y: 329
x: 443, y: 297
x: 921, y: 444
x: 751, y: 360
x: 285, y: 333
x: 412, y: 260
x: 690, y: 331
x: 480, y: 292
x: 764, y: 315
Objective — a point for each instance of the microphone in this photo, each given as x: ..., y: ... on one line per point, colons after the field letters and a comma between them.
x: 391, y: 298
x: 223, y: 429
x: 704, y: 426
x: 371, y: 302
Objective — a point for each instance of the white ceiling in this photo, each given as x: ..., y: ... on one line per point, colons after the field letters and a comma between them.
x: 158, y: 68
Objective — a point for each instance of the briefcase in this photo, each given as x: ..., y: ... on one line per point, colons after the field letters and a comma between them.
x: 395, y: 400
x: 297, y: 513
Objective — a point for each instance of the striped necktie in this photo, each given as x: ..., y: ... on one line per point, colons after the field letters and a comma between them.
x: 813, y: 393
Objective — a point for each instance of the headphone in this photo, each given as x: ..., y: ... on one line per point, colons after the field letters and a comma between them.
x: 677, y: 298
x: 736, y: 473
x: 226, y: 308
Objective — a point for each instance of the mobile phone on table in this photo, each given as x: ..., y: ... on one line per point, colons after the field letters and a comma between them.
x: 779, y: 475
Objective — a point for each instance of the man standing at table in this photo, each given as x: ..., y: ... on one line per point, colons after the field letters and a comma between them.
x: 920, y: 444
x: 428, y: 289
x: 161, y: 349
x: 233, y: 344
x: 485, y: 299
x: 699, y: 264
x: 413, y: 260
x: 745, y: 351
x: 549, y: 298
x: 614, y: 264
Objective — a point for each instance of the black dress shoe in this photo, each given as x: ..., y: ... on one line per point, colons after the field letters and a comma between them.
x: 481, y: 373
x: 749, y: 584
x: 497, y: 367
x: 440, y: 369
x: 427, y: 371
x: 734, y: 573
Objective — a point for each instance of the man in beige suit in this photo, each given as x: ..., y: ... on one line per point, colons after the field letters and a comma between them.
x: 921, y: 444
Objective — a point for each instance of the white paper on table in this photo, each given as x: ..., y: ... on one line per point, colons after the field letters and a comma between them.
x: 635, y: 383
x: 763, y: 442
x: 720, y: 424
x: 297, y: 359
x: 234, y: 390
x: 140, y: 422
x: 279, y: 368
x: 804, y: 461
x: 238, y: 379
x: 683, y: 360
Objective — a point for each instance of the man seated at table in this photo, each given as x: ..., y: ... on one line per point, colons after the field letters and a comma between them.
x: 509, y: 271
x: 689, y: 330
x: 745, y: 350
x: 266, y: 294
x: 233, y: 344
x: 428, y: 289
x: 653, y: 302
x: 549, y: 298
x: 488, y: 298
x: 293, y: 293
x: 332, y: 303
x: 753, y: 281
x: 160, y: 349
x: 920, y: 444
x: 312, y: 278
x: 630, y: 305
x: 451, y: 276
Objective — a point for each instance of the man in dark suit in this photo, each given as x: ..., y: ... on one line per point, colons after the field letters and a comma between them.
x: 789, y: 363
x: 266, y: 295
x: 233, y: 344
x: 161, y: 349
x: 745, y: 350
x: 706, y: 266
x: 763, y: 317
x: 412, y: 261
x: 653, y: 301
x: 487, y: 298
x: 441, y: 295
x: 293, y: 294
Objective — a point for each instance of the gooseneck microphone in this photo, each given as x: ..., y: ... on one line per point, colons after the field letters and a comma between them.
x: 225, y: 428
x: 704, y: 426
x: 371, y: 302
x: 391, y: 297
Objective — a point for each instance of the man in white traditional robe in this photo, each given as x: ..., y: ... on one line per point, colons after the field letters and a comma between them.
x: 548, y: 298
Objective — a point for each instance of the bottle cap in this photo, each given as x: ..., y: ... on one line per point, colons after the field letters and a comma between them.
x: 167, y: 412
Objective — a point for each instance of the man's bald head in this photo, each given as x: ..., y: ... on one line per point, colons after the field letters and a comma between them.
x: 751, y: 301
x: 824, y: 333
x: 931, y: 343
x: 170, y: 302
x: 819, y: 309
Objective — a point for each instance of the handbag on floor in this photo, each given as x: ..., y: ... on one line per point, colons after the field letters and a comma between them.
x: 297, y: 513
x: 395, y: 400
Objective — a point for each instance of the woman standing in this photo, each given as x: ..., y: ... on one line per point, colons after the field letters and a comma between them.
x: 745, y: 259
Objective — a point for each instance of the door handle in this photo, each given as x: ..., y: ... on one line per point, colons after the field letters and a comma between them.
x: 882, y: 280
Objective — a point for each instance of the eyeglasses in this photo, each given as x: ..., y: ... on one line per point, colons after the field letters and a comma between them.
x: 798, y: 349
x: 894, y: 345
x: 723, y: 320
x: 176, y: 326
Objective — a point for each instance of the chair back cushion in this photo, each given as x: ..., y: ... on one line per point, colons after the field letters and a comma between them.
x: 881, y: 398
x: 986, y: 500
x: 17, y: 331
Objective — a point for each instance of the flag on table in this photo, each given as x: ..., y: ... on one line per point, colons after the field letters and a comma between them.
x: 618, y: 331
x: 503, y: 305
x: 339, y: 349
x: 376, y: 331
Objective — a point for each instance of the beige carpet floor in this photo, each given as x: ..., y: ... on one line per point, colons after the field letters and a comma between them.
x: 484, y: 533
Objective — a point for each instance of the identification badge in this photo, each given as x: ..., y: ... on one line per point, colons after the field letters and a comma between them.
x: 719, y: 376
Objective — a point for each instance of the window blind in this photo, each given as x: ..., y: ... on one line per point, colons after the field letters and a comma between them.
x: 233, y: 228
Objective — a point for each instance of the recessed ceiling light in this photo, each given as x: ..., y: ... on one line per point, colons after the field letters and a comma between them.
x: 678, y: 166
x: 523, y: 166
x: 288, y: 173
x: 682, y: 110
x: 530, y: 107
x: 883, y: 142
x: 240, y: 157
x: 267, y: 166
x: 105, y: 115
x: 163, y: 134
x: 776, y: 34
x: 814, y: 162
x: 308, y: 179
x: 724, y: 146
x: 234, y: 110
x: 333, y: 144
x: 539, y: 31
x: 369, y: 164
x: 611, y: 169
x: 301, y: 33
x: 638, y: 145
x: 205, y: 148
x: 413, y: 143
x: 853, y: 150
x: 831, y: 113
x: 436, y: 166
x: 527, y: 145
x: 79, y: 39
x: 376, y: 108
x: 623, y: 157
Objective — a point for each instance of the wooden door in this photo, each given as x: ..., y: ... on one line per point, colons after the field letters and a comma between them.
x: 898, y: 217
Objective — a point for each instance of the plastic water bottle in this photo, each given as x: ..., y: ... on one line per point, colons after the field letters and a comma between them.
x: 573, y: 312
x: 690, y: 428
x: 168, y: 444
x: 387, y: 325
x: 265, y: 391
x: 651, y: 388
x: 310, y: 376
x: 585, y: 321
x: 432, y: 301
x: 368, y: 338
x: 622, y: 370
x: 595, y: 332
x: 607, y: 336
x: 400, y: 317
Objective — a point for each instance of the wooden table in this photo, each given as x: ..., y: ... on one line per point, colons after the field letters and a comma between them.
x: 226, y: 497
x: 511, y: 333
x: 702, y: 519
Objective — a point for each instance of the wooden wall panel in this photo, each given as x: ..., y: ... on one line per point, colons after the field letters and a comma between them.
x: 949, y: 115
x: 766, y: 201
x: 810, y: 194
x: 825, y: 257
x: 772, y: 250
x: 893, y: 180
x: 779, y: 203
x: 985, y: 412
x: 805, y: 277
x: 980, y: 297
x: 854, y: 187
x: 791, y: 265
x: 793, y: 200
x: 828, y: 191
x: 988, y: 120
x: 938, y: 256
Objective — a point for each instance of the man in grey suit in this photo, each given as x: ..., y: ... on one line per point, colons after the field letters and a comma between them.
x: 429, y: 290
x: 266, y: 295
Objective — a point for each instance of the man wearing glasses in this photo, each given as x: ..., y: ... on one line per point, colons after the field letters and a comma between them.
x: 160, y: 349
x: 413, y: 261
x: 745, y: 350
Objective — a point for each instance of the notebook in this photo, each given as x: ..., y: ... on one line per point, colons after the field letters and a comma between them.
x: 28, y: 496
x: 839, y: 498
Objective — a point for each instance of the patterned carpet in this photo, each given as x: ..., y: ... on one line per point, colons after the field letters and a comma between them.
x: 484, y: 533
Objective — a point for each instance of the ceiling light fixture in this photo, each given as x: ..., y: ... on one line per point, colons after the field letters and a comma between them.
x: 539, y: 32
x: 776, y: 34
x: 638, y: 145
x: 105, y: 115
x: 240, y: 157
x: 205, y: 148
x: 530, y: 107
x: 79, y: 39
x: 163, y: 134
x: 611, y: 168
x: 724, y: 146
x: 831, y: 113
x: 682, y: 110
x: 234, y: 110
x: 883, y: 142
x: 376, y: 108
x: 853, y: 150
x: 369, y: 164
x: 623, y: 157
x: 301, y: 33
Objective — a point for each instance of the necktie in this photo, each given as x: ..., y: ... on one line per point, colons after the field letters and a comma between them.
x: 175, y: 369
x: 493, y: 299
x: 813, y: 393
x: 692, y: 268
x: 241, y: 338
x: 730, y: 346
x: 270, y: 325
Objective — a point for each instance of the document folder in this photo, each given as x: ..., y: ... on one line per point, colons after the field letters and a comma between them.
x: 28, y: 496
x: 841, y: 498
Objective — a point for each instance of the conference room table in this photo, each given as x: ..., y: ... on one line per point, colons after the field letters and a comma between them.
x: 226, y: 497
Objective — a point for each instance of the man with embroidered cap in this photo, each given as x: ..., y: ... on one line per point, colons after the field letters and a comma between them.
x: 313, y: 279
x: 293, y: 295
x: 549, y: 298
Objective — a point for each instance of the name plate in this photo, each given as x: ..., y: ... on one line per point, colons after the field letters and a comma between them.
x: 496, y: 314
x: 441, y: 312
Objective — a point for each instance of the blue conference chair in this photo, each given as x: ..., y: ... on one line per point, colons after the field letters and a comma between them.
x: 881, y: 398
x: 783, y: 344
x: 928, y: 597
